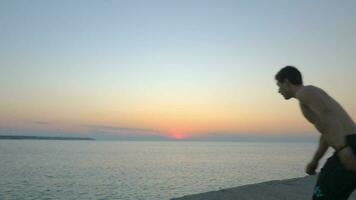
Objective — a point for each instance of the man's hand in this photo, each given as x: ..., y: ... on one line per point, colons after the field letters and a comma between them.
x: 347, y: 158
x: 311, y: 167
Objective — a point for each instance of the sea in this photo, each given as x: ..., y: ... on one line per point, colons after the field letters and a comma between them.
x: 147, y: 170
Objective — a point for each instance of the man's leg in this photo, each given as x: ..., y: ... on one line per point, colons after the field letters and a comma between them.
x: 334, y: 181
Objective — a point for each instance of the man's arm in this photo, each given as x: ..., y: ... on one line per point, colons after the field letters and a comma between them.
x: 322, y: 148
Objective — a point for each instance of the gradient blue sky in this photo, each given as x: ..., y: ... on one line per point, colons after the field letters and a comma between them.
x: 171, y: 68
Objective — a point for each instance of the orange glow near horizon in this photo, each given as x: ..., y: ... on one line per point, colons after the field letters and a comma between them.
x: 177, y: 119
x: 177, y: 135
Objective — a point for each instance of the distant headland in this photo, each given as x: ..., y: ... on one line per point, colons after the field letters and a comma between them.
x: 22, y: 137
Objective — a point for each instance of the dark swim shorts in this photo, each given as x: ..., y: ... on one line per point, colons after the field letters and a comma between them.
x: 334, y: 181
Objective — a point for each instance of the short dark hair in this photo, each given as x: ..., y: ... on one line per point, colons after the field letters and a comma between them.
x: 290, y: 73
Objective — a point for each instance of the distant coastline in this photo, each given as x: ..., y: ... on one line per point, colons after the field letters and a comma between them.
x: 22, y: 137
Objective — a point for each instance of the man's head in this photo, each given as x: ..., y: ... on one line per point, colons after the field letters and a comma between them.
x: 288, y: 79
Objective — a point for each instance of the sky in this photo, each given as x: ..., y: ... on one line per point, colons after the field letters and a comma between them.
x: 169, y: 69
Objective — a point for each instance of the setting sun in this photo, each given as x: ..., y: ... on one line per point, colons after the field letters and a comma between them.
x: 178, y: 135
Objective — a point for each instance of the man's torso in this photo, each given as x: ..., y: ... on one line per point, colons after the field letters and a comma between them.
x: 345, y: 122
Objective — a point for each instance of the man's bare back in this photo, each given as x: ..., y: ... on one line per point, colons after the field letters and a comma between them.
x: 326, y: 114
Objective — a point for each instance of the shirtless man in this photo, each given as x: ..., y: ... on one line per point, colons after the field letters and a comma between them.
x: 337, y: 178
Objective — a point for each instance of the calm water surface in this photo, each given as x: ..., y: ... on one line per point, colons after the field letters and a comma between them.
x: 32, y: 169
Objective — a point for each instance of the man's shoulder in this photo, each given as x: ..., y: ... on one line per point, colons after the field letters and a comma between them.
x: 308, y: 92
x: 311, y: 89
